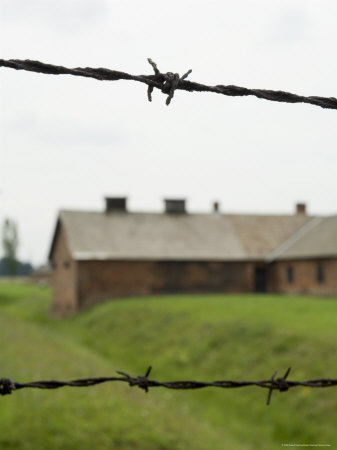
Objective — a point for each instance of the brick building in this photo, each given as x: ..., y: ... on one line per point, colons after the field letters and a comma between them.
x: 101, y: 255
x: 306, y: 263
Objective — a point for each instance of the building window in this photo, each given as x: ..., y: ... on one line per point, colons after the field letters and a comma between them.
x: 290, y: 274
x: 320, y: 273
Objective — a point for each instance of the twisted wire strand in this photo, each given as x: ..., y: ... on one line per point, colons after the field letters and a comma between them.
x: 281, y: 384
x: 168, y: 82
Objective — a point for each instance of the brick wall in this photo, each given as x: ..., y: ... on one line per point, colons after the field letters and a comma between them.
x: 305, y: 277
x: 77, y: 285
x: 99, y: 280
x: 64, y: 278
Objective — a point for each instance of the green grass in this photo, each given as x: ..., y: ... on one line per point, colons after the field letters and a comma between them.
x: 182, y: 337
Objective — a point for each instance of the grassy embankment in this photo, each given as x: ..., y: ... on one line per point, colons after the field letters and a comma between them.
x: 182, y: 337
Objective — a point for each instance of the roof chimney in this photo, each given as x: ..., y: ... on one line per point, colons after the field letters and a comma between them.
x: 175, y: 206
x: 115, y: 204
x: 216, y: 207
x: 301, y: 208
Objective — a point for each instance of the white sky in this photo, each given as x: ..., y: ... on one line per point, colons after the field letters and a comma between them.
x: 66, y: 142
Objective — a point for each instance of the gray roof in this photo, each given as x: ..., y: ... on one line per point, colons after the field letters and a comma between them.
x: 316, y: 239
x: 151, y: 236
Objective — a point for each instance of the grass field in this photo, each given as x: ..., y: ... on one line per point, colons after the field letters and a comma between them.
x: 211, y: 337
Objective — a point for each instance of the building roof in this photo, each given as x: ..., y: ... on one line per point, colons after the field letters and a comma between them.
x: 157, y: 236
x: 316, y: 239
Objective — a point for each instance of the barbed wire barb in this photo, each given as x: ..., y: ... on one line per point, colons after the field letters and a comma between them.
x: 281, y: 384
x: 169, y: 80
x: 167, y: 83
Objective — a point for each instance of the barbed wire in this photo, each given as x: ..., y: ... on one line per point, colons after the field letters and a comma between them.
x: 281, y: 384
x: 167, y: 83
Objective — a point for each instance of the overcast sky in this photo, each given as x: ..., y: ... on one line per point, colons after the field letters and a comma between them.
x: 66, y: 142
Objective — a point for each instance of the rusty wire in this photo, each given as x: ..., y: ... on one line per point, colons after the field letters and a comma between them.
x: 167, y: 83
x: 281, y: 384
